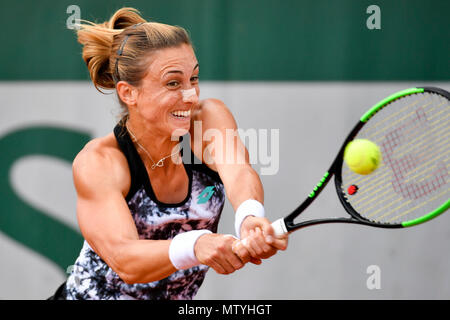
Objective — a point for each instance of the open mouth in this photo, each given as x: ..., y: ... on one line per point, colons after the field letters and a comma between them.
x: 179, y: 114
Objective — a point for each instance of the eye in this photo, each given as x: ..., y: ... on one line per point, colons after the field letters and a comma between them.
x: 194, y: 79
x: 173, y: 84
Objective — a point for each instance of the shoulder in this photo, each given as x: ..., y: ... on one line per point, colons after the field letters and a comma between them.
x: 100, y: 165
x: 216, y: 119
x: 214, y: 114
x: 212, y: 104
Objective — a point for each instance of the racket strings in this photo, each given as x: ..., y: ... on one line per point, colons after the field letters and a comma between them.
x: 395, y: 123
x: 376, y: 124
x: 365, y: 204
x: 413, y: 178
x: 378, y: 180
x: 420, y: 205
x: 419, y: 141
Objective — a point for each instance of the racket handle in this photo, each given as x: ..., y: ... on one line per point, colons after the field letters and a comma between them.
x: 279, y: 227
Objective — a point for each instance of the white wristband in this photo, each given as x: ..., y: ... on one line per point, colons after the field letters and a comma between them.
x: 181, y: 249
x: 247, y: 208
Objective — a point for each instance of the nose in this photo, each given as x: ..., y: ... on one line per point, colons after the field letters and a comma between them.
x: 189, y: 96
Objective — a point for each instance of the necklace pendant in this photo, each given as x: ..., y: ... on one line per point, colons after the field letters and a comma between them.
x: 160, y: 163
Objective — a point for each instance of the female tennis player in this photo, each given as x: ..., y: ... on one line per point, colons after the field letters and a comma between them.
x: 150, y: 219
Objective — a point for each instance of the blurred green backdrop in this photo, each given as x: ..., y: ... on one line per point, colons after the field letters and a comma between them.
x: 247, y: 40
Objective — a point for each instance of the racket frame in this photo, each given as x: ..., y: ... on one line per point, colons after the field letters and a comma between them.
x: 287, y: 223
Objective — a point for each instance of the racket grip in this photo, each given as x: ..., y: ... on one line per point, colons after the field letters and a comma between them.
x: 279, y: 227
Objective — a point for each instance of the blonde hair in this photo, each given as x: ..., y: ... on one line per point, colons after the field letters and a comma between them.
x: 118, y: 49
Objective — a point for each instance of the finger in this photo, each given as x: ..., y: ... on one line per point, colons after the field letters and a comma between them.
x: 230, y: 256
x: 224, y: 265
x: 240, y: 250
x: 235, y: 261
x: 246, y: 243
x: 252, y: 245
x: 216, y: 266
x: 269, y: 232
x: 244, y: 254
x: 259, y: 242
x: 280, y: 243
x: 218, y: 260
x: 233, y: 257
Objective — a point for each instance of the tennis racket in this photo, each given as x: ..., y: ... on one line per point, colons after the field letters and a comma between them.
x: 411, y: 184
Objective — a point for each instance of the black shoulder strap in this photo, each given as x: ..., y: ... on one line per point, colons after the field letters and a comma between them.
x: 133, y: 159
x: 190, y: 159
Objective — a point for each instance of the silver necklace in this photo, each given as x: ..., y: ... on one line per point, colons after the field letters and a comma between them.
x: 160, y: 162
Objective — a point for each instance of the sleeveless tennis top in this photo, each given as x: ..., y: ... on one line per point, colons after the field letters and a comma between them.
x: 92, y: 278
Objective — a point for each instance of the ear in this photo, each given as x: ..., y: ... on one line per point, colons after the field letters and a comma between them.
x: 127, y: 93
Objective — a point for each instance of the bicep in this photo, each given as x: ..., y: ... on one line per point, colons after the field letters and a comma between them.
x: 102, y: 212
x: 105, y: 222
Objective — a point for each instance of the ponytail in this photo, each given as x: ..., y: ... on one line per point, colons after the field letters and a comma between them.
x: 98, y: 42
x: 118, y: 49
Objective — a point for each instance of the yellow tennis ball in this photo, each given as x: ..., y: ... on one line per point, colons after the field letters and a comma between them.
x: 362, y: 156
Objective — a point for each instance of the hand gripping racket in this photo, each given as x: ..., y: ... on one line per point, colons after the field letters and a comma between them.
x: 411, y: 184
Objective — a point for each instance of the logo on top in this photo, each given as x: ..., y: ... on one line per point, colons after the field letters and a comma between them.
x: 205, y: 195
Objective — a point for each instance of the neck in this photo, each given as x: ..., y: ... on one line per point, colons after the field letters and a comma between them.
x: 152, y: 144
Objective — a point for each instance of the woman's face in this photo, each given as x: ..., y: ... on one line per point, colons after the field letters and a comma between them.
x: 169, y: 91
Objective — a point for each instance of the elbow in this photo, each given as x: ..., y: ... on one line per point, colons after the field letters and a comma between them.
x: 124, y: 273
x: 122, y: 265
x: 133, y: 276
x: 127, y: 277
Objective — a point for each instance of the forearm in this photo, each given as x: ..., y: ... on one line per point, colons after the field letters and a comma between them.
x: 242, y: 185
x: 142, y: 261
